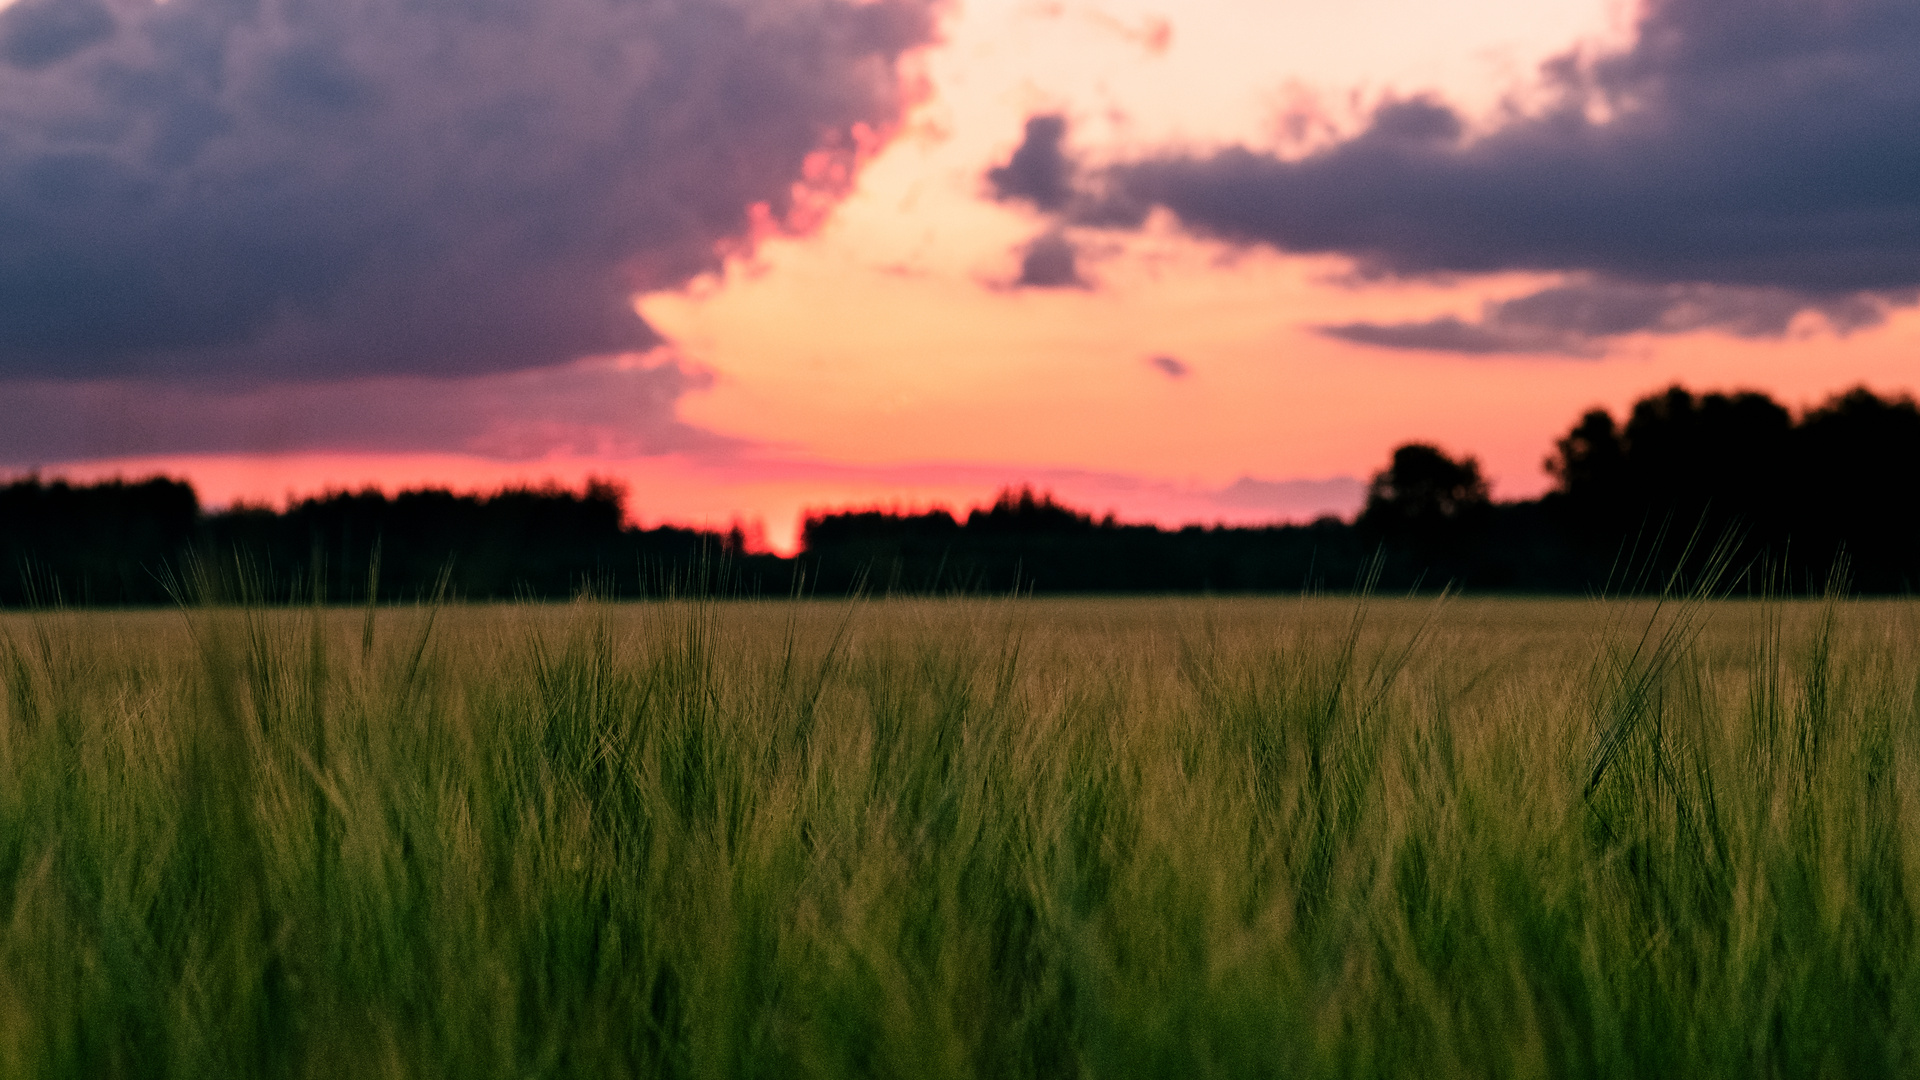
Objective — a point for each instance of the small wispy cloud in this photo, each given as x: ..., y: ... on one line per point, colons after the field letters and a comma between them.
x: 1579, y: 318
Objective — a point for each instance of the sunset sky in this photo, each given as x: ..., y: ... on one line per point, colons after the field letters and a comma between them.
x: 1186, y: 263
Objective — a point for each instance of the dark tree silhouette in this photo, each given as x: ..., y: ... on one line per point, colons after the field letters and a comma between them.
x: 1841, y: 482
x: 1857, y: 459
x: 1022, y: 511
x: 1424, y: 494
x: 866, y: 526
x: 1844, y: 480
x: 1712, y: 462
x: 531, y: 542
x: 106, y: 543
x: 1590, y: 466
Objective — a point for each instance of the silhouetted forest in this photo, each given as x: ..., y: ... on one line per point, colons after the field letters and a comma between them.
x: 150, y: 542
x: 1682, y: 482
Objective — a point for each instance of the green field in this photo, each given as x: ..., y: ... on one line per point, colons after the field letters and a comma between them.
x: 1183, y: 838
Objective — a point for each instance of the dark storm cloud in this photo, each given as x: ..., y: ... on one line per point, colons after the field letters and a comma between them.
x: 1040, y: 172
x: 253, y: 190
x: 587, y: 407
x: 34, y: 33
x: 1766, y: 145
x: 1050, y: 261
x: 1764, y: 142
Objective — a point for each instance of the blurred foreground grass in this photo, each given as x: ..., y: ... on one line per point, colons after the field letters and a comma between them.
x: 1287, y: 838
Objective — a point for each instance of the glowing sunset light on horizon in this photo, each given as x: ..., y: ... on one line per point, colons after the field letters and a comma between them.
x: 1196, y: 264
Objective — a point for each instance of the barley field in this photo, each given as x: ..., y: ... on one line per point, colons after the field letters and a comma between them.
x: 963, y: 838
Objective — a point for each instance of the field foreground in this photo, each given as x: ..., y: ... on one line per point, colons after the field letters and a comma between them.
x: 1287, y: 838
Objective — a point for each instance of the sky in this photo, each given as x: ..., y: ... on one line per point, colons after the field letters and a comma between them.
x: 1206, y: 262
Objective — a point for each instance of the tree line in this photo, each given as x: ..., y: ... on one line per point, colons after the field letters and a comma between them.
x: 1682, y: 482
x: 150, y: 541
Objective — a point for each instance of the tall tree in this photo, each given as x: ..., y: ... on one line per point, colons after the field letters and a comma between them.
x: 1425, y: 495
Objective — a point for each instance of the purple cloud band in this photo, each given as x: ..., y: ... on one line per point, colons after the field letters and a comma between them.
x: 1742, y: 162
